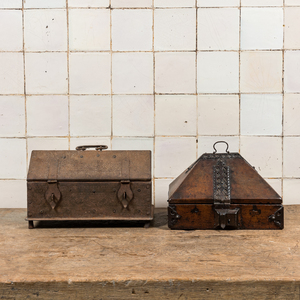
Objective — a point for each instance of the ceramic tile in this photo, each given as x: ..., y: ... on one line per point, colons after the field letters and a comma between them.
x: 217, y: 3
x: 175, y: 29
x: 161, y: 192
x: 45, y: 4
x: 12, y: 116
x: 218, y: 72
x: 262, y: 2
x: 291, y: 160
x: 46, y: 73
x: 261, y: 114
x: 11, y: 73
x: 261, y: 71
x: 291, y: 191
x: 131, y: 3
x: 132, y: 30
x: 173, y: 155
x: 205, y: 144
x: 11, y: 35
x: 133, y: 115
x: 261, y: 28
x: 292, y: 28
x: 175, y: 115
x: 291, y: 71
x: 13, y: 193
x: 11, y: 4
x: 175, y: 72
x: 46, y: 144
x: 45, y: 30
x: 89, y: 29
x: 264, y: 153
x: 218, y: 29
x: 90, y: 73
x: 12, y: 158
x: 174, y: 3
x: 275, y: 184
x: 291, y: 114
x: 132, y: 73
x: 218, y: 114
x: 131, y: 143
x: 74, y: 142
x: 47, y: 115
x: 90, y: 115
x: 292, y: 2
x: 88, y: 3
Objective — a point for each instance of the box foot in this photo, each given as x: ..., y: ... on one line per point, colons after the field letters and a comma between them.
x: 30, y: 225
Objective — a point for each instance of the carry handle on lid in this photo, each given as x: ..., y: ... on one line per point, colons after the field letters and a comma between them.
x: 97, y: 147
x: 220, y: 142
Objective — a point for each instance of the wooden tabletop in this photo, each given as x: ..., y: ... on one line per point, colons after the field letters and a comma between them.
x: 102, y: 261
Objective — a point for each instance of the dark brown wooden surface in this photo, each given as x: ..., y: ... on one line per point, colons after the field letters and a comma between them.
x: 202, y: 216
x: 89, y: 261
x: 89, y: 200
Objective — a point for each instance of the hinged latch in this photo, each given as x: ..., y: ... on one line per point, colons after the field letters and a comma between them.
x: 226, y: 218
x: 53, y: 193
x: 125, y: 194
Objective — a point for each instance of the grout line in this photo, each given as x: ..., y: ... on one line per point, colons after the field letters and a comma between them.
x: 148, y: 7
x: 240, y: 42
x: 143, y: 136
x: 111, y: 76
x: 25, y: 96
x: 154, y: 99
x: 161, y: 94
x: 68, y: 70
x: 282, y: 142
x: 146, y: 51
x: 196, y: 82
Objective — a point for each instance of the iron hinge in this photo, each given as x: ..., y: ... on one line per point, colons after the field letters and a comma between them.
x: 125, y: 194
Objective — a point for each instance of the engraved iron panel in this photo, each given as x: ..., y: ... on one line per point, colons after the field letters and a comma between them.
x: 221, y: 183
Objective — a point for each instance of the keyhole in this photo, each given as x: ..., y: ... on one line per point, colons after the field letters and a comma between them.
x: 228, y: 221
x: 124, y: 195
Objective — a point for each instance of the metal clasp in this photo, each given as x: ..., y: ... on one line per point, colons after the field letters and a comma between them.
x: 226, y: 218
x: 53, y: 193
x: 125, y: 194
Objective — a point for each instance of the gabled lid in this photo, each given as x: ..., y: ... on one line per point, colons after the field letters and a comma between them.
x: 198, y: 183
x: 89, y: 165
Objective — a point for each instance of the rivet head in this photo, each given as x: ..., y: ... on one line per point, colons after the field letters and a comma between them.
x: 114, y: 156
x: 148, y: 187
x: 81, y: 156
x: 139, y: 190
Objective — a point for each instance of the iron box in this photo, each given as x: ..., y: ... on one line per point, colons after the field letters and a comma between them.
x: 89, y: 185
x: 223, y: 191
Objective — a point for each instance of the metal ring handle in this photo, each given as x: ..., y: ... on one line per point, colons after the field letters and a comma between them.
x: 97, y: 147
x: 220, y: 142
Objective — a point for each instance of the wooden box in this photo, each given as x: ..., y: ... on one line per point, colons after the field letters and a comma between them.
x: 89, y: 185
x: 223, y: 191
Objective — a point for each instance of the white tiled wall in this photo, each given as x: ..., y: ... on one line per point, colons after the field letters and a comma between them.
x: 171, y: 76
